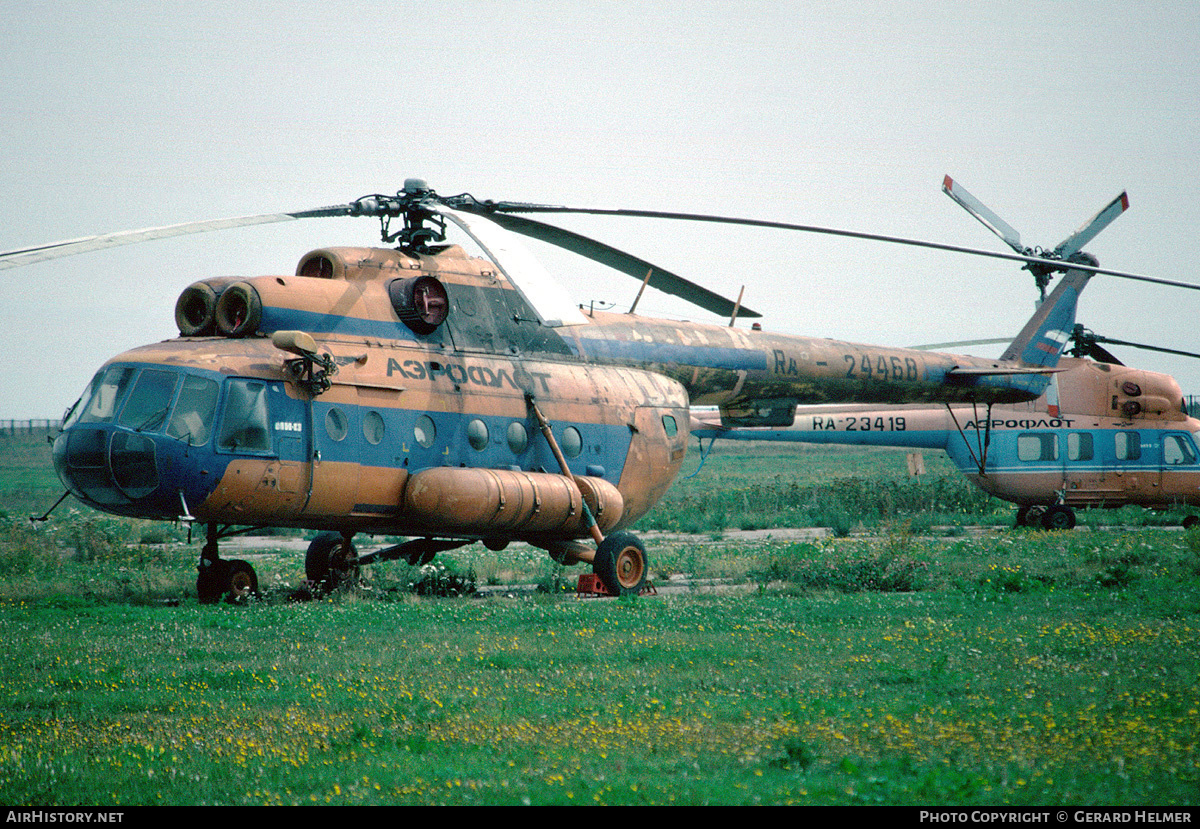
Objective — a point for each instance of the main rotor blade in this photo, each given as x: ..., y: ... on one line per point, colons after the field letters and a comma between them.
x: 70, y: 247
x: 548, y: 299
x: 1054, y: 264
x: 1099, y: 353
x: 1075, y: 242
x: 1099, y: 339
x: 981, y: 212
x: 634, y: 266
x: 960, y: 344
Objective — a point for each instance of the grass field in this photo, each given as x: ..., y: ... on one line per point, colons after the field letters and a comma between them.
x: 920, y: 652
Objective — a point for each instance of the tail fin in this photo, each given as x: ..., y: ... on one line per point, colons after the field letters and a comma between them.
x: 1043, y: 338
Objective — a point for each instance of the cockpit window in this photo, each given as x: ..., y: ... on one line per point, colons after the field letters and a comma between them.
x: 193, y: 418
x: 146, y: 409
x: 102, y: 407
x: 244, y: 424
x: 76, y: 411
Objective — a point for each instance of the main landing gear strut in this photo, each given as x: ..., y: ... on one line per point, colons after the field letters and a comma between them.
x: 620, y: 559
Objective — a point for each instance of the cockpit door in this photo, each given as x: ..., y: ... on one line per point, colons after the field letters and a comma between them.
x: 262, y: 428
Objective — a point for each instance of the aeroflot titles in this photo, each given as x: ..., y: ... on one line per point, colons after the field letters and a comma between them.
x: 477, y: 375
x: 856, y: 423
x: 1042, y: 423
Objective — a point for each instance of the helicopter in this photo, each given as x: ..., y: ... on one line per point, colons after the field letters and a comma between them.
x: 1103, y: 435
x: 421, y: 392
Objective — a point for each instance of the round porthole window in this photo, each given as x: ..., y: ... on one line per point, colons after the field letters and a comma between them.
x: 572, y: 442
x: 373, y: 428
x: 518, y: 437
x: 477, y: 435
x: 425, y: 432
x: 335, y: 424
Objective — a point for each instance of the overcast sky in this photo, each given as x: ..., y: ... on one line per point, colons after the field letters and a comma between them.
x: 121, y: 115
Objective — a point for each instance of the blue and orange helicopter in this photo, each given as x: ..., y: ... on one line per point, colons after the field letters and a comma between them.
x: 418, y: 391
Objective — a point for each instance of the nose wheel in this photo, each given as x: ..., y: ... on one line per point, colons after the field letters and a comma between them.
x: 218, y: 579
x: 234, y: 581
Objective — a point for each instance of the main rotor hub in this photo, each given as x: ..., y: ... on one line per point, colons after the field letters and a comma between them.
x: 423, y: 227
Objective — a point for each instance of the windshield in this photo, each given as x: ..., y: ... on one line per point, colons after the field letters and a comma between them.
x: 102, y: 406
x: 193, y: 417
x: 141, y: 400
x: 146, y: 409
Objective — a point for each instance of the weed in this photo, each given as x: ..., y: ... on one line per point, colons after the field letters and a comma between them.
x: 794, y: 753
x: 810, y: 566
x: 1117, y: 575
x: 442, y: 578
x: 1007, y: 578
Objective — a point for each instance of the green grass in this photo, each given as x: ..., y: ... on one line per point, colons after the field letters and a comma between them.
x: 752, y: 486
x: 765, y: 485
x: 893, y: 666
x: 28, y: 485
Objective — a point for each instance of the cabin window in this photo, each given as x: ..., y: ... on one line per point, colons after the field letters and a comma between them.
x: 425, y: 432
x: 244, y: 423
x: 477, y: 435
x: 193, y: 417
x: 335, y: 424
x: 1037, y: 446
x: 373, y: 428
x: 572, y: 442
x: 670, y: 426
x: 1079, y: 446
x: 1128, y: 445
x: 1178, y: 450
x: 146, y: 410
x: 518, y: 437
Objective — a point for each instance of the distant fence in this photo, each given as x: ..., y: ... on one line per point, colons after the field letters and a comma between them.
x: 29, y: 427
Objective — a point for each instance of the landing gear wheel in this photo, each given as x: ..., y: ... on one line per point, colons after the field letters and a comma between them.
x: 1190, y: 521
x: 1058, y: 517
x: 1030, y: 516
x: 213, y: 581
x: 621, y: 564
x: 242, y: 581
x: 331, y: 561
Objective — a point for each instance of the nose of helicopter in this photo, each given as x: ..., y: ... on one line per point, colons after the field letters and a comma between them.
x: 114, y: 469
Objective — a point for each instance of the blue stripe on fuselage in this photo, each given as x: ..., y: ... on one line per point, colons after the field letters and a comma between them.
x: 286, y: 319
x: 733, y: 359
